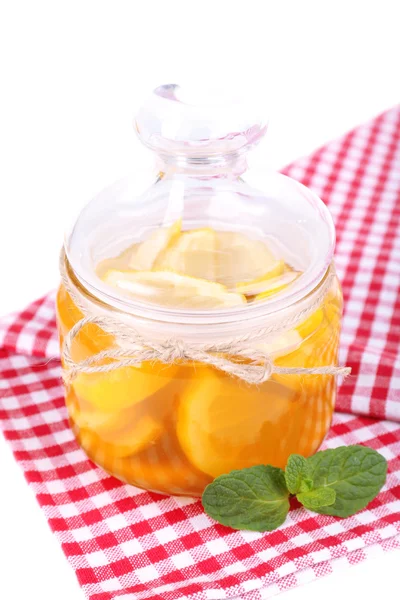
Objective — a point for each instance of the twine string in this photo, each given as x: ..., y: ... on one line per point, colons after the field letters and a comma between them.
x: 237, y: 357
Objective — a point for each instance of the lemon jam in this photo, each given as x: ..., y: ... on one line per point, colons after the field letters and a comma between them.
x: 174, y: 428
x: 200, y: 256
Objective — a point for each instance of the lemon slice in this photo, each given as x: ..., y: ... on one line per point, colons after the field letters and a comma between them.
x: 83, y: 415
x: 192, y: 253
x: 256, y: 286
x: 116, y: 390
x: 282, y: 344
x: 121, y: 261
x: 288, y: 341
x: 275, y: 285
x: 223, y: 425
x: 142, y: 256
x: 139, y: 434
x: 128, y: 430
x: 310, y: 325
x: 172, y: 289
x: 241, y: 259
x: 145, y: 254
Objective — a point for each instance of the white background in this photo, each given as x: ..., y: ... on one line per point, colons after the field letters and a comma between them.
x: 72, y: 75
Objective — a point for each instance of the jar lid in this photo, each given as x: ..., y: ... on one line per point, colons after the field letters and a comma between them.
x: 199, y: 243
x: 199, y: 123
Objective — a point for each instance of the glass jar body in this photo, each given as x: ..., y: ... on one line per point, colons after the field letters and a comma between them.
x: 173, y: 428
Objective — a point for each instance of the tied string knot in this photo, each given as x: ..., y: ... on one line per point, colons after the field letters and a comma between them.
x: 238, y: 357
x: 171, y: 351
x: 245, y: 362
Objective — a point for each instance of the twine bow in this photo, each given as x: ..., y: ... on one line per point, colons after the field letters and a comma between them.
x: 238, y: 357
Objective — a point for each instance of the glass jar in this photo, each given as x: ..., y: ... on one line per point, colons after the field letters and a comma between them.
x: 194, y: 313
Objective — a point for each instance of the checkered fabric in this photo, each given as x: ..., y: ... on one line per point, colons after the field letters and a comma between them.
x: 124, y: 542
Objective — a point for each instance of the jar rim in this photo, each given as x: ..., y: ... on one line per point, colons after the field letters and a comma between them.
x: 256, y: 325
x: 155, y: 312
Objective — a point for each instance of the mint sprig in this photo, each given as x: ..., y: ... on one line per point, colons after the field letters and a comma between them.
x: 355, y: 473
x: 255, y: 498
x: 337, y: 482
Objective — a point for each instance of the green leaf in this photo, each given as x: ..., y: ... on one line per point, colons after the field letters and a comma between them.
x: 306, y: 485
x: 296, y: 469
x: 255, y: 498
x: 355, y: 473
x: 319, y: 498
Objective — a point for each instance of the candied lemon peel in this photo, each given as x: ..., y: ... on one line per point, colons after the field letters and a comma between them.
x: 172, y: 289
x: 198, y: 268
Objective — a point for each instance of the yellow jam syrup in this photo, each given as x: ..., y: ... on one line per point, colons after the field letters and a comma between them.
x: 173, y: 428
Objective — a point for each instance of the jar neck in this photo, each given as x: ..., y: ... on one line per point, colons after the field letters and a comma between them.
x: 278, y: 316
x: 229, y: 166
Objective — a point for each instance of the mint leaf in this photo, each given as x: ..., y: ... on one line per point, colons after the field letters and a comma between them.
x: 306, y: 485
x: 255, y: 498
x: 295, y: 470
x: 319, y: 498
x: 355, y: 473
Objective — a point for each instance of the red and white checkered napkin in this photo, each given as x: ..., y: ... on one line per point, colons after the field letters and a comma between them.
x: 123, y: 541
